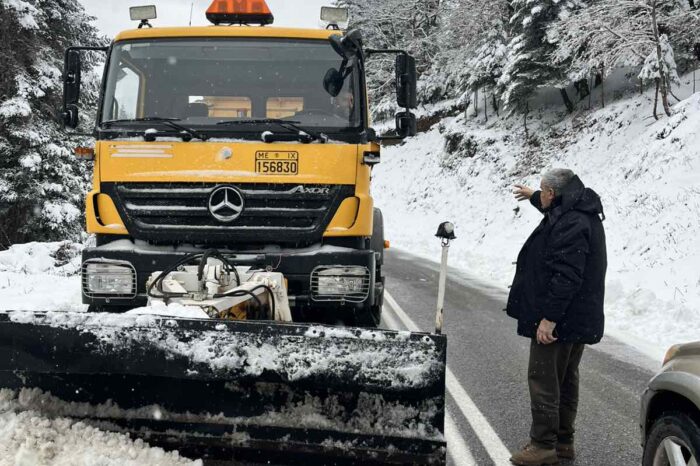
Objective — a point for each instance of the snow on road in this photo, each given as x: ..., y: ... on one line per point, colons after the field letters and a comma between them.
x: 30, y: 439
x: 42, y: 276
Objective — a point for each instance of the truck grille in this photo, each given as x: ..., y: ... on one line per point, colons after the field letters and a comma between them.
x: 273, y: 213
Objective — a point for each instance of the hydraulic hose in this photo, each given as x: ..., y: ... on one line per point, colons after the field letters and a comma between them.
x: 203, y: 257
x: 238, y: 293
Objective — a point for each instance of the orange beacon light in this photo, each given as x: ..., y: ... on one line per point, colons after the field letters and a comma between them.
x: 240, y: 12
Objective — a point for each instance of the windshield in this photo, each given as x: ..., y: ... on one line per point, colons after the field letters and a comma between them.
x: 202, y: 82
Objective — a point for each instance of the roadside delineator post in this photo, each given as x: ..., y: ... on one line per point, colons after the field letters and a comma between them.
x: 446, y: 232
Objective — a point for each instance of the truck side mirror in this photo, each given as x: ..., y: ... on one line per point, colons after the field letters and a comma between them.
x: 406, y: 125
x: 71, y: 88
x: 406, y: 81
x: 333, y: 82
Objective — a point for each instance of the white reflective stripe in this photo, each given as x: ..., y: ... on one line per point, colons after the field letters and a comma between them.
x: 141, y: 151
x: 487, y: 435
x: 144, y: 147
x: 123, y: 155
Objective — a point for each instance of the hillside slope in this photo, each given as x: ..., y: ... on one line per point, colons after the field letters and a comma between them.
x: 647, y: 173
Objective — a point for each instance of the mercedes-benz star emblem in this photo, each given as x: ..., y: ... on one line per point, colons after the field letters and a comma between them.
x: 226, y: 204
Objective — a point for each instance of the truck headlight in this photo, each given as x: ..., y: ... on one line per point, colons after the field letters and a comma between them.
x: 109, y: 279
x: 340, y: 283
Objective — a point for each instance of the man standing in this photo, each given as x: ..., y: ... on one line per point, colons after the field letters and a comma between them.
x: 557, y: 297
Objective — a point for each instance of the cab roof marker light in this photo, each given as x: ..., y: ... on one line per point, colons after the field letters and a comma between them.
x: 334, y: 16
x: 143, y: 14
x: 242, y: 12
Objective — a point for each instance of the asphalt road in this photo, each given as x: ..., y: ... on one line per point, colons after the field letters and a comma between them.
x: 488, y: 401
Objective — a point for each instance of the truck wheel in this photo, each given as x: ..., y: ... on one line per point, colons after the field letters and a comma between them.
x: 674, y: 433
x: 377, y: 240
x: 374, y: 315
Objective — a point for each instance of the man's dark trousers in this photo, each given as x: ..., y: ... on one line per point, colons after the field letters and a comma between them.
x: 553, y: 379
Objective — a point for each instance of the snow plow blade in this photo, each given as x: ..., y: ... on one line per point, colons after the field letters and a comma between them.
x: 249, y: 391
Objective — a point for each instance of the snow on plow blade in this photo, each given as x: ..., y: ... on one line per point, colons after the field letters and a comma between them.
x: 260, y: 391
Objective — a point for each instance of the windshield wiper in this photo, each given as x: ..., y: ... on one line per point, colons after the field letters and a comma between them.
x: 300, y: 133
x: 164, y: 121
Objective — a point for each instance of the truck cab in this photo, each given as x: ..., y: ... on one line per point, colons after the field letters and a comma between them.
x: 253, y: 141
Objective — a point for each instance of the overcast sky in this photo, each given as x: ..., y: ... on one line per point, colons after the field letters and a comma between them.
x: 113, y: 15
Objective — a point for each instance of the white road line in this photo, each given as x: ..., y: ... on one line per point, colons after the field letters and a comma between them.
x: 487, y: 436
x: 456, y: 445
x: 390, y: 322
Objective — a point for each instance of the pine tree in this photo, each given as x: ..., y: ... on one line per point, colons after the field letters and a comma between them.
x: 528, y: 65
x: 485, y: 67
x: 472, y: 46
x: 410, y: 25
x: 42, y: 185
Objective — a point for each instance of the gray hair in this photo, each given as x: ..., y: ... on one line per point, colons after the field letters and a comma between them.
x: 557, y: 178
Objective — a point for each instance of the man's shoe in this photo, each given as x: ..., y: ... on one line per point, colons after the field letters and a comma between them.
x: 566, y: 451
x: 532, y: 455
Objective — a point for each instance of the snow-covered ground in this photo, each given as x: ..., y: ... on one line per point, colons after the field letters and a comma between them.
x: 647, y: 173
x: 28, y: 438
x: 42, y: 276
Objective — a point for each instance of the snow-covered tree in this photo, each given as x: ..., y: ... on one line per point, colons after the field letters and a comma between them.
x: 411, y: 25
x: 42, y: 184
x: 528, y: 65
x: 613, y: 33
x: 472, y: 45
x: 660, y: 67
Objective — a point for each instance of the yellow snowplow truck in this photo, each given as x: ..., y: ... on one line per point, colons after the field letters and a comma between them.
x: 235, y: 288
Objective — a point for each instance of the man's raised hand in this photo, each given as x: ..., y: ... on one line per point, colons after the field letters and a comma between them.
x: 523, y: 193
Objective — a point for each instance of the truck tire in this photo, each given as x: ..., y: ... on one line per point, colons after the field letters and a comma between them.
x: 678, y: 428
x: 377, y: 240
x: 372, y: 316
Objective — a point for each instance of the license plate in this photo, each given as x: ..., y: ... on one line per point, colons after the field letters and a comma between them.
x: 277, y: 163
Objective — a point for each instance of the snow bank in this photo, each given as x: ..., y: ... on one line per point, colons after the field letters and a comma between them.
x: 647, y: 173
x: 159, y: 308
x: 28, y: 438
x: 41, y: 276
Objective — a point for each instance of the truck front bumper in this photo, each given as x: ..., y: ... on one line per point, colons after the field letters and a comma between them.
x: 299, y: 266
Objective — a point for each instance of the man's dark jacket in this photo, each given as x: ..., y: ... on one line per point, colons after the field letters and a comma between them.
x: 561, y: 269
